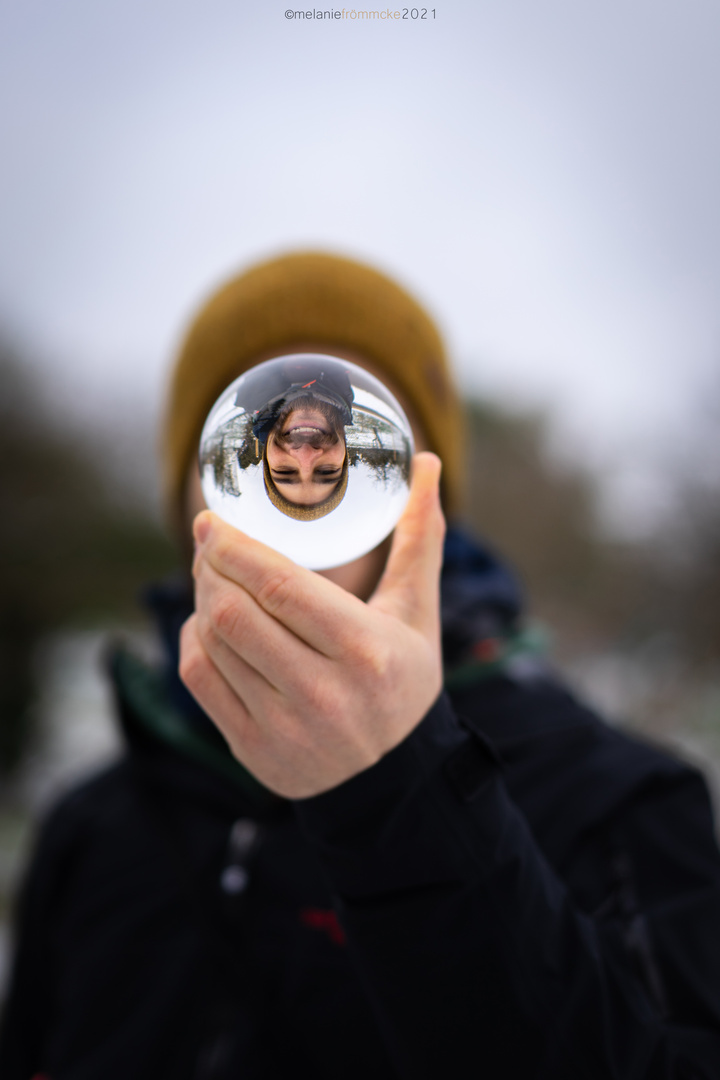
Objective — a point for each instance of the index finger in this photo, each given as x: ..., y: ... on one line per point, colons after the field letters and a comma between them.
x: 317, y: 611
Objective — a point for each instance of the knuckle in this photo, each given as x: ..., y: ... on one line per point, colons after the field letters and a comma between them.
x: 224, y: 615
x: 323, y: 699
x: 275, y: 590
x: 374, y: 662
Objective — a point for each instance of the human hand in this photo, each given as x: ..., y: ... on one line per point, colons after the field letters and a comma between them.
x: 309, y: 684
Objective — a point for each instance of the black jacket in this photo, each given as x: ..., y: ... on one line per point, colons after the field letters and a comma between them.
x: 515, y: 892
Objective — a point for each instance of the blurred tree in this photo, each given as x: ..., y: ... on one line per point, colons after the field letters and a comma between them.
x: 701, y: 599
x: 690, y: 543
x: 69, y: 552
x: 542, y: 517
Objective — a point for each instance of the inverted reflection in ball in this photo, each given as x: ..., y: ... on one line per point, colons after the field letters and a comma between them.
x: 309, y: 454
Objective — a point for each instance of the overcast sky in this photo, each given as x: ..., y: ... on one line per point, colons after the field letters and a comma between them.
x: 544, y: 174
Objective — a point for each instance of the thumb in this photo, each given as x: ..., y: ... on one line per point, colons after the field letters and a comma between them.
x: 409, y: 587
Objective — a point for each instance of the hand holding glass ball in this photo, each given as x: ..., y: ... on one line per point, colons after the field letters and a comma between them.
x: 310, y: 455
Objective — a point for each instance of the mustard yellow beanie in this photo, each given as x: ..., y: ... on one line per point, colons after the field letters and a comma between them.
x: 324, y: 302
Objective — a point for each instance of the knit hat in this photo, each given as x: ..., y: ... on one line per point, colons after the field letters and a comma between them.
x: 324, y: 302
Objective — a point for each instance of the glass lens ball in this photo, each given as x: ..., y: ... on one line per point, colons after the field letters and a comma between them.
x: 309, y: 454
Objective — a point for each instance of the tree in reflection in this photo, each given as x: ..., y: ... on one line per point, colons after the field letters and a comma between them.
x: 230, y: 450
x: 381, y: 446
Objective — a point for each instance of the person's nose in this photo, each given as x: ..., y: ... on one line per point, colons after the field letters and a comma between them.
x: 306, y: 456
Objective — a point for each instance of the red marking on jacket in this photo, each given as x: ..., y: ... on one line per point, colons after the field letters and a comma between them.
x: 487, y: 649
x: 321, y: 919
x: 305, y: 386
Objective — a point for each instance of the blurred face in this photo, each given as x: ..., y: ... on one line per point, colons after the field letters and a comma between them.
x: 305, y: 453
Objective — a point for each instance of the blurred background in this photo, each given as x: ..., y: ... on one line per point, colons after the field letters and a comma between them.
x: 543, y: 176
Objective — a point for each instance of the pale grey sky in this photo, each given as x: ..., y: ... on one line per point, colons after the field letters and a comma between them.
x: 543, y: 175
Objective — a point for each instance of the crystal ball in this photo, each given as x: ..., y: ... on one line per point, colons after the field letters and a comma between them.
x: 309, y: 454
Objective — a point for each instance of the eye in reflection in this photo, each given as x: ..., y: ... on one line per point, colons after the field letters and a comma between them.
x: 318, y: 440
